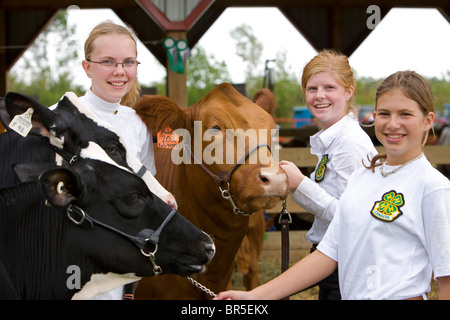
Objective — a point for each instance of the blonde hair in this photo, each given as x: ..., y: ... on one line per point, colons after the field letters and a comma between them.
x: 337, y: 64
x: 414, y: 87
x: 107, y: 28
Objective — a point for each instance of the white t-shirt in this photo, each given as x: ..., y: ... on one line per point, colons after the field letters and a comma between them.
x: 390, y: 233
x: 128, y: 124
x: 346, y: 145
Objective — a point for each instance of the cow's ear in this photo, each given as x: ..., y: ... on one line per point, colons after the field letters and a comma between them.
x: 159, y: 112
x: 27, y: 172
x: 4, y: 116
x: 61, y: 186
x: 16, y: 104
x: 266, y: 100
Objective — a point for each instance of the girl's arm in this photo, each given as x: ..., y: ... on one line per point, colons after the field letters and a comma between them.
x: 295, y: 176
x: 303, y: 274
x: 444, y: 288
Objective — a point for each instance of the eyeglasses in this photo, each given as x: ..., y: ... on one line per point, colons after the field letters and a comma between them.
x: 111, y: 64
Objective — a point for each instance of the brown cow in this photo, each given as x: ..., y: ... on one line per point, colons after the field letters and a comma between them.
x: 249, y: 253
x: 254, y: 185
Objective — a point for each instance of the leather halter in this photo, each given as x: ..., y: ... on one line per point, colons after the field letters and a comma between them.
x: 70, y: 158
x: 79, y: 217
x: 224, y: 177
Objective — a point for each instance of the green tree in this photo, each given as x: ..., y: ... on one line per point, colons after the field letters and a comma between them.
x: 287, y: 90
x: 249, y: 49
x: 204, y: 72
x: 44, y: 71
x: 441, y: 91
x: 366, y: 88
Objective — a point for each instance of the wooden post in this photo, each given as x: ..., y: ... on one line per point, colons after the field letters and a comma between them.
x: 335, y: 28
x: 3, y: 68
x: 177, y: 82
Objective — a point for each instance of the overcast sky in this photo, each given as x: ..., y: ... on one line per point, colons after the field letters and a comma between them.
x: 415, y: 39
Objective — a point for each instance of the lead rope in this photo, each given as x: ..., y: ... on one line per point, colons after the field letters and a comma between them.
x: 285, y: 219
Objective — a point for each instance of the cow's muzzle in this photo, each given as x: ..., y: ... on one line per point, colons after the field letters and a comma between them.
x: 223, y: 178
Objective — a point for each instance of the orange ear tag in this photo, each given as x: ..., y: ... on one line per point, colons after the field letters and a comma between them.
x: 167, y: 139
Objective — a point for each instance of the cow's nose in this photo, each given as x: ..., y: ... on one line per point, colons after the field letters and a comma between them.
x: 209, y: 247
x: 274, y: 183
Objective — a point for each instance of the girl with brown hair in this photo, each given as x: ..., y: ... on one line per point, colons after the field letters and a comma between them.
x: 391, y: 230
x: 340, y: 146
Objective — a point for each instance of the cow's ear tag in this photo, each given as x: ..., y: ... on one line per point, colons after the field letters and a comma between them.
x: 167, y: 139
x: 21, y: 123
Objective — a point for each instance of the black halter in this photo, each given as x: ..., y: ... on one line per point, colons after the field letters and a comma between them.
x: 224, y: 177
x: 69, y: 157
x: 81, y: 218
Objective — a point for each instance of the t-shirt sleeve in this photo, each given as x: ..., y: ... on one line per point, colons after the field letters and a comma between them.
x: 329, y: 244
x: 436, y: 219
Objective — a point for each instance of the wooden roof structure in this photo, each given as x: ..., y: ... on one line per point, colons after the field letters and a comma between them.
x: 339, y: 24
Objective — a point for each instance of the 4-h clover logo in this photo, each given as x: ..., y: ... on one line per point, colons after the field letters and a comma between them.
x: 388, y: 209
x: 320, y: 172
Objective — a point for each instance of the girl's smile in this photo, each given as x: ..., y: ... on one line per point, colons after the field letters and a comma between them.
x: 326, y: 98
x: 400, y: 126
x: 111, y: 83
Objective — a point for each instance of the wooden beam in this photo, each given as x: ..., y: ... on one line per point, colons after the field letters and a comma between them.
x: 177, y: 82
x: 63, y: 4
x: 166, y: 24
x: 334, y: 32
x: 3, y: 58
x: 445, y: 11
x: 328, y: 3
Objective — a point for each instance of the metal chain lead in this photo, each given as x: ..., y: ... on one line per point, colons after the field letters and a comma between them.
x: 202, y: 287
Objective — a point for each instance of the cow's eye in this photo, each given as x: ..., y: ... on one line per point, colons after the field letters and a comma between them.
x: 215, y: 129
x: 116, y: 152
x: 131, y: 205
x: 132, y: 198
x: 112, y: 149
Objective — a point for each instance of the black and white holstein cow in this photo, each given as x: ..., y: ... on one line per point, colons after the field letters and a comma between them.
x: 100, y: 231
x: 68, y: 132
x: 57, y: 135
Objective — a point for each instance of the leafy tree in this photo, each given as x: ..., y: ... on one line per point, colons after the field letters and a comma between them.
x: 249, y: 49
x: 366, y: 88
x: 441, y: 91
x: 287, y: 89
x: 44, y: 71
x: 204, y: 72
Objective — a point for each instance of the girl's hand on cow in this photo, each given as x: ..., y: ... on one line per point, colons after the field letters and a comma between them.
x: 295, y: 176
x: 237, y: 295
